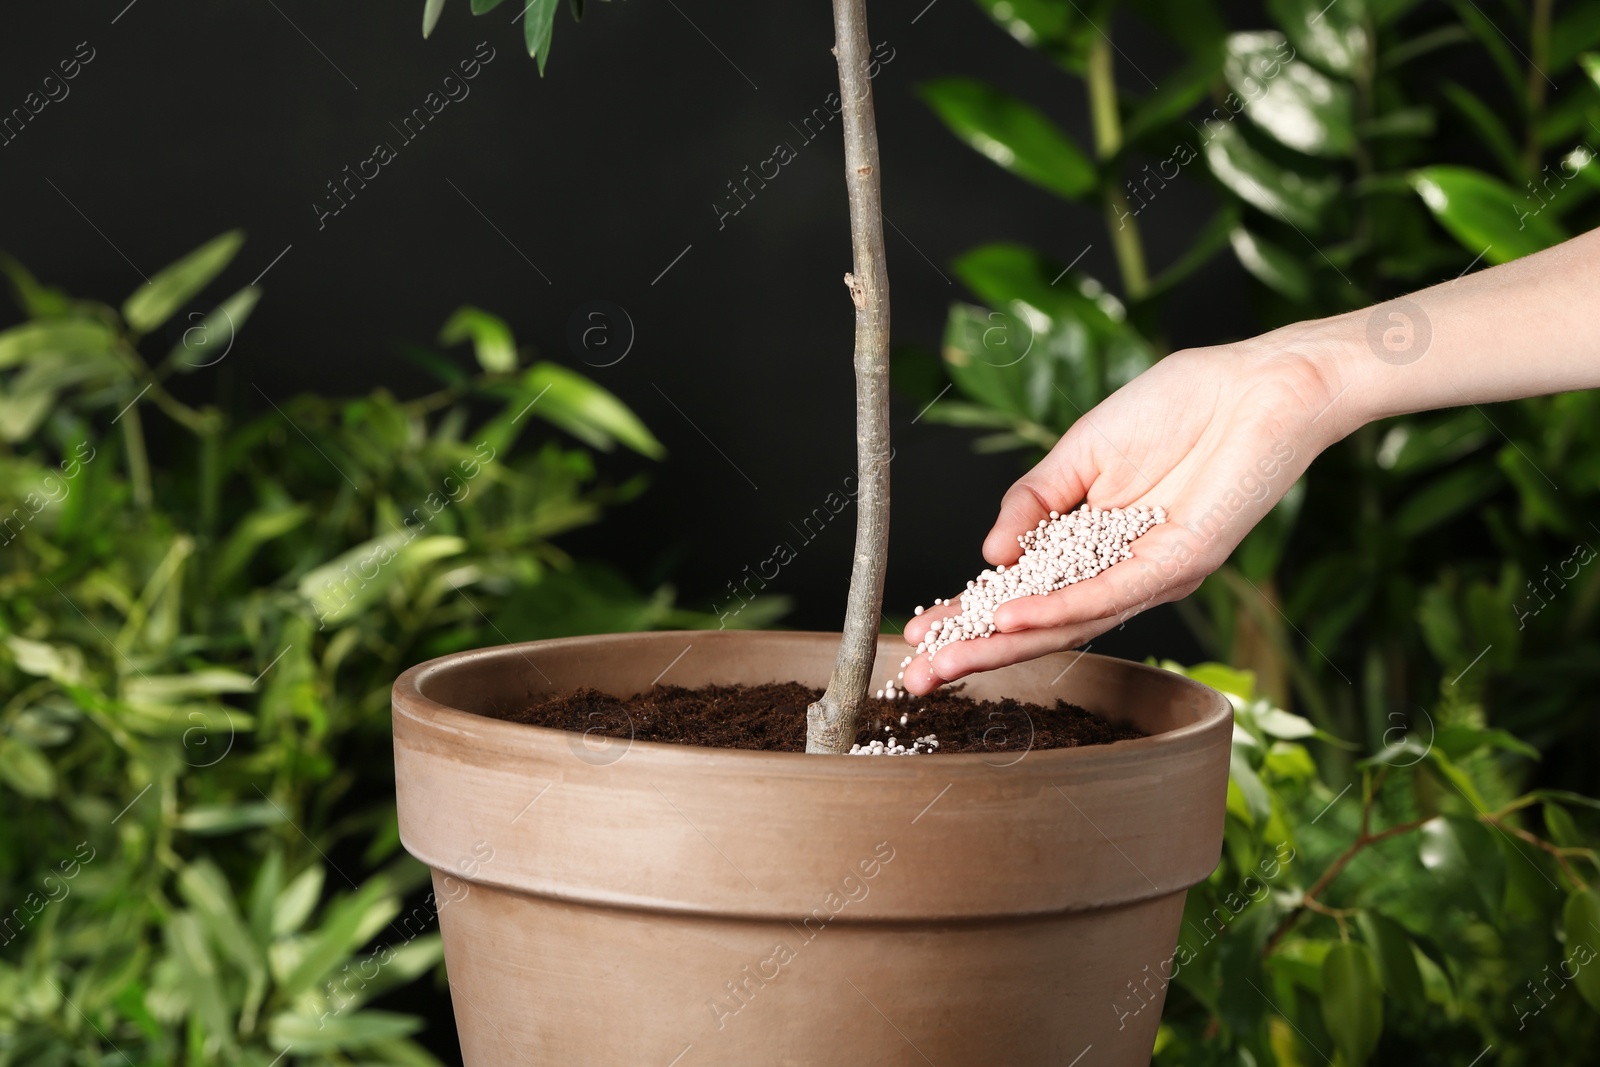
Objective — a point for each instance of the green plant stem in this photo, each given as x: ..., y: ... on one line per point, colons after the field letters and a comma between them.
x: 1310, y: 902
x: 138, y: 459
x: 1539, y: 45
x: 1338, y: 865
x: 199, y: 422
x: 1364, y: 116
x: 1125, y: 243
x: 1536, y: 841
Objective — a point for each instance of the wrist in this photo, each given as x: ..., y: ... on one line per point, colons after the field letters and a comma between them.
x: 1335, y: 357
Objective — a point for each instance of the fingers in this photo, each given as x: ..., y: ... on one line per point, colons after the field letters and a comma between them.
x: 926, y: 673
x: 1166, y: 565
x: 917, y: 628
x: 1056, y: 484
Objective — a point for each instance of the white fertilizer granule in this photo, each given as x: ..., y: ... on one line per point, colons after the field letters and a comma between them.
x: 1060, y: 551
x: 894, y: 748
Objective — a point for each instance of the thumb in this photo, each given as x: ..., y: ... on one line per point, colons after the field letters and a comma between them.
x: 1056, y: 484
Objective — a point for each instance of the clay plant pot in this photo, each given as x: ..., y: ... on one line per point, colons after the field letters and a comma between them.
x: 608, y: 903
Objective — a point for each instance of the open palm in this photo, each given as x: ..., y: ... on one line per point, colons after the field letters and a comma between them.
x: 1215, y: 436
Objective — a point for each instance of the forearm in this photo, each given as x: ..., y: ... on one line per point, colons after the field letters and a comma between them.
x: 1525, y: 328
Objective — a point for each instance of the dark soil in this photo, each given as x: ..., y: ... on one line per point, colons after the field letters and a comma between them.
x: 773, y: 717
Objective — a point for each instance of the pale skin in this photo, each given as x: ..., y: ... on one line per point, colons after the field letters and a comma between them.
x: 1218, y: 435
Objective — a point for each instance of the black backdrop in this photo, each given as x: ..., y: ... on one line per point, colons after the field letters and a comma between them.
x: 531, y: 197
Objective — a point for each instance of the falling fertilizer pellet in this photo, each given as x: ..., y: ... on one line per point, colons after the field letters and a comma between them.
x: 1060, y: 551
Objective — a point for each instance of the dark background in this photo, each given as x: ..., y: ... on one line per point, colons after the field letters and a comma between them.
x: 194, y: 118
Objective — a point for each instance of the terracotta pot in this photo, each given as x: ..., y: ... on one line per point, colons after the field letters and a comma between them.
x: 606, y: 902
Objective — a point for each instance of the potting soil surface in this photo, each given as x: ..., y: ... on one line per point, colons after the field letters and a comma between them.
x: 772, y: 718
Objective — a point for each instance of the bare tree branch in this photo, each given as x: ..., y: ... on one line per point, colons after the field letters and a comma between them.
x: 831, y: 722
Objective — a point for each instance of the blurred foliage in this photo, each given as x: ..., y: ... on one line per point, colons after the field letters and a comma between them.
x: 1434, y: 576
x: 1419, y: 910
x: 538, y: 21
x: 199, y: 862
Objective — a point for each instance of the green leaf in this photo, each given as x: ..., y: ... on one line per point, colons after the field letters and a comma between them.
x: 490, y: 336
x: 1333, y: 36
x: 1484, y: 215
x: 313, y: 1034
x: 205, y: 890
x: 22, y: 412
x: 1562, y: 829
x: 1279, y: 192
x: 197, y: 968
x: 38, y: 301
x: 264, y: 896
x: 430, y: 15
x: 1179, y: 92
x: 1541, y: 502
x: 1211, y: 239
x: 348, y: 924
x: 250, y: 533
x: 294, y: 905
x: 1275, y: 722
x: 1272, y: 265
x: 1057, y: 29
x: 1567, y: 797
x: 985, y: 351
x: 479, y: 7
x: 205, y: 819
x: 1462, y: 852
x: 1444, y: 498
x: 59, y: 663
x: 1415, y: 445
x: 1249, y: 784
x: 585, y: 410
x: 972, y: 416
x: 1580, y: 920
x: 161, y: 689
x: 1235, y: 683
x: 1576, y: 30
x: 1013, y: 134
x: 350, y: 583
x: 1405, y: 122
x: 69, y: 338
x: 1494, y: 41
x: 209, y: 340
x: 1088, y: 347
x: 1488, y: 126
x: 24, y: 768
x: 1288, y: 762
x: 1352, y: 1001
x: 1396, y: 959
x: 1194, y: 25
x: 155, y: 302
x: 1297, y: 104
x: 538, y: 20
x: 1461, y: 739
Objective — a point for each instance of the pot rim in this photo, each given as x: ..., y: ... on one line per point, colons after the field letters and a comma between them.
x: 410, y: 701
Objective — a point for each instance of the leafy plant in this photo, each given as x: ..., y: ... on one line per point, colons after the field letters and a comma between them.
x: 1426, y: 589
x: 1413, y: 913
x: 198, y: 852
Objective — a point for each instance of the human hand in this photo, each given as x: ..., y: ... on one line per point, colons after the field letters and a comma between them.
x: 1215, y: 436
